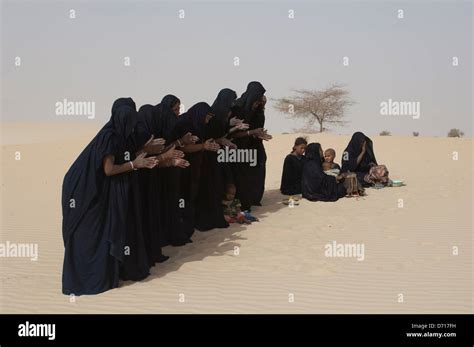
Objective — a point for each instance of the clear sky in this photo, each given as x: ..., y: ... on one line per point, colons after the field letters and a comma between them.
x: 82, y: 59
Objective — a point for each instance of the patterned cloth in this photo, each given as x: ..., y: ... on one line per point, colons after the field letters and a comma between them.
x: 332, y: 172
x: 377, y: 174
x: 231, y: 207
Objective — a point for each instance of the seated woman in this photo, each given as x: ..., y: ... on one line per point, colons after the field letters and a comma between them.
x: 359, y: 157
x: 293, y: 169
x: 315, y: 184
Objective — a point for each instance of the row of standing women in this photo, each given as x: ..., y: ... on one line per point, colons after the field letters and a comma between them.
x: 148, y: 179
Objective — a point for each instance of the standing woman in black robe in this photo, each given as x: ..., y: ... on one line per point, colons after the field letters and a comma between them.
x: 149, y: 126
x: 250, y: 180
x: 95, y: 201
x: 359, y: 157
x: 174, y: 230
x: 194, y: 121
x: 209, y: 213
x: 315, y: 184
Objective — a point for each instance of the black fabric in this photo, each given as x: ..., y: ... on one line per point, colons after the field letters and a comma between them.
x: 175, y: 226
x: 208, y: 210
x: 182, y: 184
x: 250, y: 180
x: 352, y: 151
x: 204, y: 211
x: 95, y: 208
x: 193, y: 121
x: 291, y: 176
x: 168, y: 118
x: 138, y: 256
x: 137, y: 253
x: 219, y: 124
x: 254, y: 92
x: 149, y: 123
x: 149, y: 183
x: 316, y: 185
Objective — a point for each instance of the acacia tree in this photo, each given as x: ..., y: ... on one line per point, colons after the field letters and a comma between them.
x: 323, y: 107
x: 455, y: 133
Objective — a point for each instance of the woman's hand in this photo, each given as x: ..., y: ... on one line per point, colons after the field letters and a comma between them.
x: 364, y: 146
x: 182, y: 163
x: 238, y: 124
x: 242, y: 126
x: 172, y: 153
x: 141, y: 162
x: 264, y: 136
x: 258, y: 132
x: 226, y: 142
x: 234, y: 121
x: 210, y: 145
x: 188, y: 139
x: 154, y: 145
x: 159, y: 141
x: 342, y: 176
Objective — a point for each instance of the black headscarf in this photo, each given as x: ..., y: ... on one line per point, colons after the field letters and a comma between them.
x: 250, y: 181
x: 352, y: 151
x: 149, y: 119
x: 124, y: 117
x: 218, y: 125
x: 254, y: 92
x: 168, y: 118
x: 149, y: 123
x: 242, y: 108
x: 315, y: 184
x: 193, y: 120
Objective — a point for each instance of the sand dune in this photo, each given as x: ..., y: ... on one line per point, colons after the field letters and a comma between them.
x: 408, y: 250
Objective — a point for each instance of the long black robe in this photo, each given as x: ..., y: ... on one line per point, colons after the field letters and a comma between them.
x: 352, y: 151
x: 149, y: 182
x: 250, y: 180
x: 95, y: 209
x: 175, y: 223
x: 137, y: 253
x: 192, y: 190
x: 315, y: 184
x: 219, y: 126
x: 137, y: 257
x: 291, y: 176
x: 208, y: 210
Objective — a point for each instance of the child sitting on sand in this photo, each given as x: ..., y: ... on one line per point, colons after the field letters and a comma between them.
x: 330, y: 170
x: 329, y: 155
x: 231, y: 206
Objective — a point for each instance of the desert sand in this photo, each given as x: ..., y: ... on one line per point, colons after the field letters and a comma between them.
x: 275, y: 266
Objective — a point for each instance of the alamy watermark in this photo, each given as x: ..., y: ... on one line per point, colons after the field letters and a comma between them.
x: 37, y: 330
x: 345, y: 250
x: 400, y: 108
x: 75, y: 108
x: 230, y: 155
x: 19, y: 250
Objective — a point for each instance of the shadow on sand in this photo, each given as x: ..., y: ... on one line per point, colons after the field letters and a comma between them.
x: 215, y: 242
